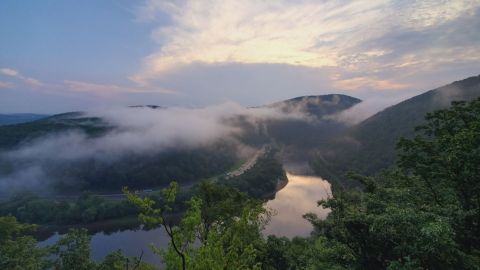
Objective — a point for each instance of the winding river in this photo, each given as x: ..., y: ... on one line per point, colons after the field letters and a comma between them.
x: 298, y: 197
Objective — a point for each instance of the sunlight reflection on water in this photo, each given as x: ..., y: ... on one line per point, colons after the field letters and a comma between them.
x: 298, y: 197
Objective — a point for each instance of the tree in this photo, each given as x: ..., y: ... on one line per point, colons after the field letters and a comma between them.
x: 422, y: 215
x: 212, y: 235
x: 18, y: 251
x: 117, y: 261
x: 73, y: 251
x: 220, y: 206
x: 445, y: 157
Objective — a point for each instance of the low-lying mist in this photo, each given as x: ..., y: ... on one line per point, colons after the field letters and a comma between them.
x: 131, y: 132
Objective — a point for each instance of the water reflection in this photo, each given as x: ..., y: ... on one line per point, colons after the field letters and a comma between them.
x: 131, y: 242
x: 298, y: 197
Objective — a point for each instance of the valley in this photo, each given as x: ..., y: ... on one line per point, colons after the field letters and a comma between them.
x: 287, y: 221
x: 239, y: 135
x: 288, y: 156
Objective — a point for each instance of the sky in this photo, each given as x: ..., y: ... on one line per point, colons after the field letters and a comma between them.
x: 58, y: 56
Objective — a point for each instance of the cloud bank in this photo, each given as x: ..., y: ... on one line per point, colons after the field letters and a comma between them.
x: 352, y: 37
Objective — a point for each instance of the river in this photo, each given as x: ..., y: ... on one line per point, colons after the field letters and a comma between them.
x: 298, y: 197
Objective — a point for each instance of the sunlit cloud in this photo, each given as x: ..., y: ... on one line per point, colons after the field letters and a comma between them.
x: 333, y: 34
x: 367, y: 83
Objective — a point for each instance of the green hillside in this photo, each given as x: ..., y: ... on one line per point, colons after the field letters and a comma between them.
x: 369, y: 146
x: 12, y: 136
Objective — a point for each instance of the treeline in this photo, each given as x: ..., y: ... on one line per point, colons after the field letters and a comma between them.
x: 145, y: 171
x: 87, y: 208
x: 134, y: 170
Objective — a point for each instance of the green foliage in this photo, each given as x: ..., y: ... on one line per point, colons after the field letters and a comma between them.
x: 445, y: 159
x: 220, y: 207
x: 86, y: 208
x: 17, y: 250
x: 383, y: 226
x: 283, y: 253
x: 423, y: 215
x: 212, y: 234
x: 117, y: 261
x: 73, y: 251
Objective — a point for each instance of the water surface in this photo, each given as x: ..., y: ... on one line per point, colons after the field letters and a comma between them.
x: 298, y: 197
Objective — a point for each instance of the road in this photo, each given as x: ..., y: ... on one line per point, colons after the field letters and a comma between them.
x: 247, y: 165
x: 120, y: 196
x: 117, y: 196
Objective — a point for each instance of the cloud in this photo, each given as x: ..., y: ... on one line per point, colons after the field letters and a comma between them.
x: 104, y: 90
x: 134, y: 131
x: 142, y: 130
x: 27, y: 80
x: 8, y: 72
x: 248, y: 32
x: 6, y: 85
x: 366, y: 108
x: 108, y: 89
x: 367, y: 83
x: 299, y: 33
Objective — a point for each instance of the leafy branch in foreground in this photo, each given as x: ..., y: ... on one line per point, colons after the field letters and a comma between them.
x: 221, y: 228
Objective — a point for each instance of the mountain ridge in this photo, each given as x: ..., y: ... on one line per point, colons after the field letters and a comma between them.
x: 369, y: 146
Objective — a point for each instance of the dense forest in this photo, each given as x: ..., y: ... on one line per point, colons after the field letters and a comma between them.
x: 260, y: 181
x: 422, y: 214
x: 369, y: 146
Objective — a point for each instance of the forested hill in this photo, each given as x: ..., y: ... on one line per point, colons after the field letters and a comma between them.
x: 301, y: 136
x: 13, y: 135
x: 318, y: 106
x: 369, y: 146
x: 17, y: 118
